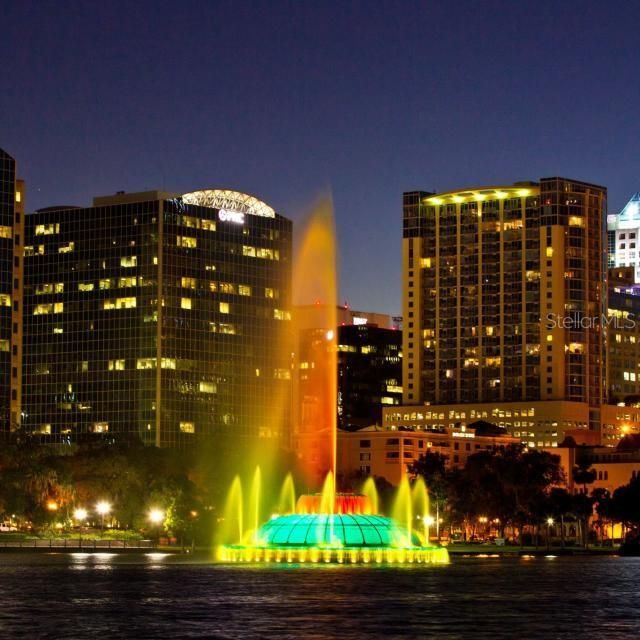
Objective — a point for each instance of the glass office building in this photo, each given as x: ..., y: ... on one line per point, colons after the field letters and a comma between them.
x: 11, y: 238
x: 158, y: 317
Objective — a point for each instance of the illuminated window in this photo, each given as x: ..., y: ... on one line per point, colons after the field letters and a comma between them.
x: 208, y: 225
x: 146, y: 363
x: 279, y: 314
x: 244, y: 290
x: 189, y: 221
x: 224, y: 307
x: 368, y: 349
x: 4, y: 345
x: 85, y: 286
x: 120, y: 303
x: 187, y: 427
x: 549, y: 252
x: 188, y: 283
x: 56, y: 287
x: 282, y: 374
x: 185, y: 303
x: 168, y: 363
x: 549, y: 338
x: 116, y: 365
x: 227, y: 287
x: 213, y: 286
x: 131, y: 281
x: 246, y: 251
x: 106, y: 283
x: 5, y: 300
x: 129, y: 261
x: 207, y: 387
x: 50, y: 307
x: 6, y: 232
x: 66, y: 248
x: 58, y: 330
x: 229, y: 329
x: 47, y: 229
x: 269, y: 292
x: 186, y: 242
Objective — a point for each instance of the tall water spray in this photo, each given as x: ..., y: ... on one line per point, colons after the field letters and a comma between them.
x: 315, y: 283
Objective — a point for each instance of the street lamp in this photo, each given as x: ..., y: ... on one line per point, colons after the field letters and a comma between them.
x: 549, y: 523
x: 156, y: 517
x: 428, y: 521
x: 80, y: 514
x: 103, y: 508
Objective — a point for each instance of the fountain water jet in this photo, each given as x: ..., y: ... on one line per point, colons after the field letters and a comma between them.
x: 287, y: 499
x: 326, y: 526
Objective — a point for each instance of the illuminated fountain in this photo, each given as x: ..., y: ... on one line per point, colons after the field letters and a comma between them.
x: 327, y: 526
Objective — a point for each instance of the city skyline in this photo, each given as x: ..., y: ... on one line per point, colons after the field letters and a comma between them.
x: 287, y: 100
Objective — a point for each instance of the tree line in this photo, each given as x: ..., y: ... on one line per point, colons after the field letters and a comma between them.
x: 521, y: 493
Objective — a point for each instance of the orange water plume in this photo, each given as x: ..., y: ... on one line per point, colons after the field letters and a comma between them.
x: 314, y: 283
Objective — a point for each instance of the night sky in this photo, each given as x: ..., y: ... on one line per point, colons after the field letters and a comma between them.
x: 288, y: 99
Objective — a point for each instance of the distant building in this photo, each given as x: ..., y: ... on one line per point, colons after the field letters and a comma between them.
x: 386, y: 453
x: 504, y: 292
x: 614, y: 466
x: 313, y: 316
x: 624, y: 236
x: 12, y: 199
x: 317, y: 399
x: 369, y: 373
x: 159, y: 317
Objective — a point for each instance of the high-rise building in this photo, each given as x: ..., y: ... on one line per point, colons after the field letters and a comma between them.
x: 316, y: 388
x: 504, y: 292
x: 11, y: 238
x: 369, y: 373
x: 624, y: 236
x: 159, y: 317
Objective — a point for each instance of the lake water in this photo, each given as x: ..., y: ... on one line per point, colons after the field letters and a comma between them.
x: 148, y: 596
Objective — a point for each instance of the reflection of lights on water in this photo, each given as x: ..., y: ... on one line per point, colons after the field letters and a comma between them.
x: 156, y: 556
x: 551, y: 557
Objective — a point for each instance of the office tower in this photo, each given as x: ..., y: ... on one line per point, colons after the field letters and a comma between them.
x: 504, y: 291
x: 11, y: 238
x: 369, y: 373
x: 158, y: 317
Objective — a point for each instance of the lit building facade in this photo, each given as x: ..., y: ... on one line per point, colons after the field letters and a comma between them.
x: 316, y: 403
x: 158, y: 317
x: 624, y: 236
x: 369, y: 373
x: 384, y: 453
x: 504, y: 290
x: 12, y: 198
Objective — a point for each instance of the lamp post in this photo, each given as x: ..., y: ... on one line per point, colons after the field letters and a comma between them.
x: 428, y: 521
x: 156, y: 517
x: 103, y: 508
x: 549, y: 523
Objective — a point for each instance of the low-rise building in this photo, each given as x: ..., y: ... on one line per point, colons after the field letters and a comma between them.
x: 387, y: 453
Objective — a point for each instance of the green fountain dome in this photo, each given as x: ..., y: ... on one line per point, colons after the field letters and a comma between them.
x: 339, y: 530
